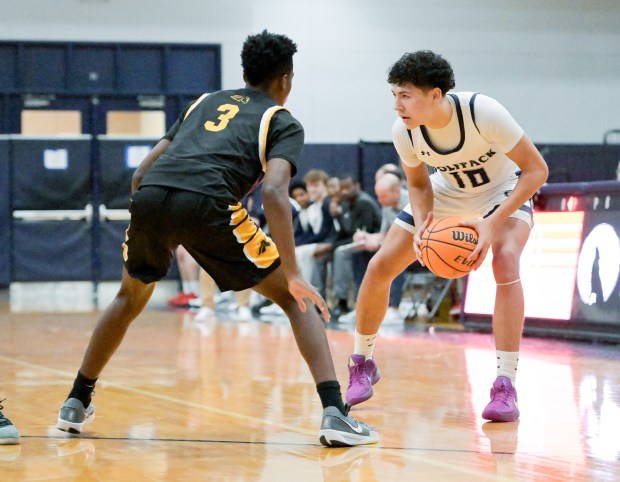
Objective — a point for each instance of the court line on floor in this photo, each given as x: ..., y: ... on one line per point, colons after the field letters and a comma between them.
x: 404, y: 450
x: 254, y: 442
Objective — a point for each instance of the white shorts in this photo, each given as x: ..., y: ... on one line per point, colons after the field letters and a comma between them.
x: 468, y: 206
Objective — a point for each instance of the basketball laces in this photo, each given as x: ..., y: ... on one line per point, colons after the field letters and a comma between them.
x: 500, y: 394
x: 3, y: 420
x: 357, y: 372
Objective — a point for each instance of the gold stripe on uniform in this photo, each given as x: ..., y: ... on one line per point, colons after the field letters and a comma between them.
x: 257, y: 247
x: 262, y: 133
x: 125, y: 247
x: 191, y: 107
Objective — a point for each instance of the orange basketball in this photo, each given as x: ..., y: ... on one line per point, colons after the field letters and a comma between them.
x: 445, y: 247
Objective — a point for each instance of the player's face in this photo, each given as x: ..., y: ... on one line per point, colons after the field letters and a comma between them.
x: 414, y: 105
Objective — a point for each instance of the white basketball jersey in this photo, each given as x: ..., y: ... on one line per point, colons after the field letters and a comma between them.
x: 477, y: 163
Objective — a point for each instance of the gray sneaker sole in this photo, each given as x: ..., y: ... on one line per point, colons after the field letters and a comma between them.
x: 74, y: 427
x: 337, y: 438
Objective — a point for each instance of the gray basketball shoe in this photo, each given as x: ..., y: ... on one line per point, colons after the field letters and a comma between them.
x: 9, y: 435
x: 73, y: 416
x: 338, y: 430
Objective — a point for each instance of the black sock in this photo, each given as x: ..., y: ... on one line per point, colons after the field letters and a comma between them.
x: 343, y: 305
x: 83, y: 389
x: 330, y: 395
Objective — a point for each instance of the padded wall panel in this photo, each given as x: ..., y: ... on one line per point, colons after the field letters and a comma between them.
x: 335, y: 159
x: 8, y: 61
x: 5, y: 214
x: 91, y: 69
x: 118, y: 159
x: 373, y: 156
x: 581, y: 162
x: 43, y: 180
x: 192, y: 69
x: 139, y: 70
x: 52, y: 251
x: 43, y: 68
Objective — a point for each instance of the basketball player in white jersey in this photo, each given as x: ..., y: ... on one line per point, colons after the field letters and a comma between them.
x: 487, y: 170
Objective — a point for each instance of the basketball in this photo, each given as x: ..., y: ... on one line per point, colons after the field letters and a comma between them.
x: 445, y: 247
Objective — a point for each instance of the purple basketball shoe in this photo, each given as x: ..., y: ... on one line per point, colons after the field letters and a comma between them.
x: 503, y: 404
x: 363, y: 374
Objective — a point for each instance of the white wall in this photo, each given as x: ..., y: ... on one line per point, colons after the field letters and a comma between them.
x: 554, y: 63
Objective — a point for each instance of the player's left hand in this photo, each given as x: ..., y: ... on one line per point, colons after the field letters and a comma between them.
x: 300, y: 290
x: 486, y: 231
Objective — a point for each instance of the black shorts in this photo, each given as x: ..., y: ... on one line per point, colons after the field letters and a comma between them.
x: 222, y: 238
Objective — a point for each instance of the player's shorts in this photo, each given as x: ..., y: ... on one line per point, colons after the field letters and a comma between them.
x: 222, y: 238
x: 468, y: 206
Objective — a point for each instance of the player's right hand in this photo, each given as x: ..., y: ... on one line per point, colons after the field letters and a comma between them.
x: 300, y: 290
x: 416, y: 237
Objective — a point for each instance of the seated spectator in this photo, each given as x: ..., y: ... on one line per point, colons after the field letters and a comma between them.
x: 391, y: 169
x: 313, y: 224
x: 392, y: 198
x: 358, y: 211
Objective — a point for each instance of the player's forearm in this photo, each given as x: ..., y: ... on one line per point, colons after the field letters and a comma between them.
x: 421, y: 199
x: 279, y: 219
x: 529, y: 183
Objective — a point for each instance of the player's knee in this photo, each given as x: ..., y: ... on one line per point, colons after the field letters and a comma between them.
x: 379, y: 270
x: 505, y: 264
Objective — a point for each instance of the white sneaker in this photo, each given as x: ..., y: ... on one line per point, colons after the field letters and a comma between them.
x: 204, y: 314
x: 393, y: 317
x: 350, y: 317
x: 195, y: 302
x: 244, y: 313
x: 272, y: 310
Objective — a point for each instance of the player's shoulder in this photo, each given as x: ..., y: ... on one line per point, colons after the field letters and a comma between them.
x: 480, y: 101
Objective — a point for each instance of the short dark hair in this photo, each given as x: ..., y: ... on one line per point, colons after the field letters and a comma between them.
x: 424, y: 69
x: 350, y: 175
x: 296, y: 184
x: 265, y: 56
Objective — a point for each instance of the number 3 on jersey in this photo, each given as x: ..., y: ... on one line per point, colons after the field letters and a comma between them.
x: 229, y: 111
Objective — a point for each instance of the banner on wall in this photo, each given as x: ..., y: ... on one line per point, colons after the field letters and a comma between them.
x: 597, y: 297
x: 548, y: 269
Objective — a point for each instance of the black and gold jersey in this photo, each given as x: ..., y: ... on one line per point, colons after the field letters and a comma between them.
x: 221, y: 143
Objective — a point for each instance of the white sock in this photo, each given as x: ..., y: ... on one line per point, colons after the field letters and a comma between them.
x: 190, y: 287
x: 364, y: 344
x: 507, y: 362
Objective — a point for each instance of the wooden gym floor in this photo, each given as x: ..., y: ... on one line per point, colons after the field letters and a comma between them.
x: 233, y: 401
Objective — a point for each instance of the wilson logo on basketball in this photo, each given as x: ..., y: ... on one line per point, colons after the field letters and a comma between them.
x: 459, y: 235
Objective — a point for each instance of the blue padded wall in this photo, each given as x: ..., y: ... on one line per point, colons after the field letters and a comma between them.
x: 335, y: 159
x: 5, y: 214
x: 42, y: 180
x: 52, y: 251
x: 117, y: 163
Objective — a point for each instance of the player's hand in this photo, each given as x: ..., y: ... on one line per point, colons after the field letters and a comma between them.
x: 486, y: 232
x: 300, y: 290
x: 416, y: 237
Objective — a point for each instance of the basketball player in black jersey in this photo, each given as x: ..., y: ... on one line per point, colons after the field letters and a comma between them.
x: 187, y: 192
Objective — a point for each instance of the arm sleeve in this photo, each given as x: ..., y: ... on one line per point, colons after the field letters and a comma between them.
x: 495, y: 123
x: 403, y: 144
